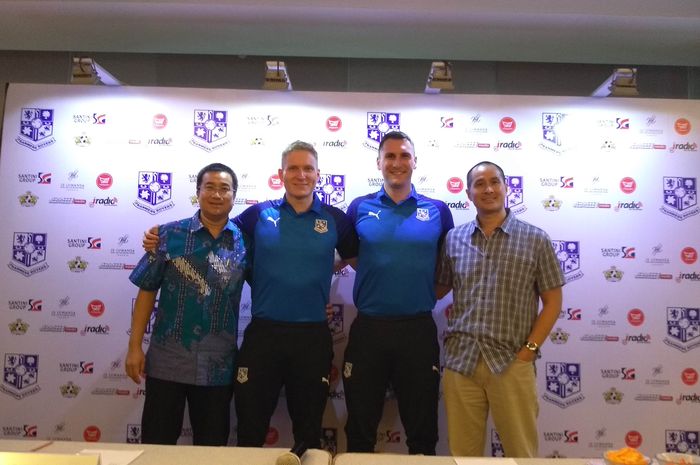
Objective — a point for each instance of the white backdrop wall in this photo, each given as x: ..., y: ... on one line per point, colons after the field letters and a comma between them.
x: 85, y: 170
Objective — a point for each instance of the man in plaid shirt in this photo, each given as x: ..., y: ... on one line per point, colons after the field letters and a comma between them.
x: 499, y: 268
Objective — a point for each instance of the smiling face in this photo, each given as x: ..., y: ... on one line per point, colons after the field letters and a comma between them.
x: 299, y: 173
x: 397, y: 161
x: 216, y: 195
x: 487, y: 190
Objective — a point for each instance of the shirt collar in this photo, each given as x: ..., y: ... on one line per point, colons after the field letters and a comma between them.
x: 507, y: 225
x: 382, y: 194
x: 196, y: 223
x: 316, y: 205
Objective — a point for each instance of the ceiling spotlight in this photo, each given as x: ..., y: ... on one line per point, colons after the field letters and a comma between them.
x: 439, y: 77
x: 621, y: 83
x: 276, y: 76
x: 84, y: 70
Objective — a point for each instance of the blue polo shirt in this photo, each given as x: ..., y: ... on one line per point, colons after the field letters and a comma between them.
x: 399, y: 245
x: 292, y: 256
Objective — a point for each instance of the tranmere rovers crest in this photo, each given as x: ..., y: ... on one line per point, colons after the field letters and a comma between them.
x: 20, y: 375
x: 210, y: 128
x: 330, y: 189
x: 379, y: 123
x: 154, y: 192
x: 563, y: 382
x: 683, y: 441
x: 680, y: 197
x: 36, y: 128
x: 515, y: 197
x: 682, y: 328
x: 28, y: 253
x: 569, y: 257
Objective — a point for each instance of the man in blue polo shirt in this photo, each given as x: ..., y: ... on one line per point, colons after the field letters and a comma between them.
x: 393, y: 341
x: 288, y: 342
x: 199, y: 268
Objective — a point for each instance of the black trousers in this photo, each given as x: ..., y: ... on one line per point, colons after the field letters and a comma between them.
x: 297, y: 356
x: 209, y: 408
x: 403, y: 353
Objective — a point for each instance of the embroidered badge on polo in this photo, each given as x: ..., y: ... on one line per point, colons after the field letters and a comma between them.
x: 321, y: 226
x: 422, y: 214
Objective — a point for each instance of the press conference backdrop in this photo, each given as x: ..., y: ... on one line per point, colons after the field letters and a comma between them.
x: 85, y: 170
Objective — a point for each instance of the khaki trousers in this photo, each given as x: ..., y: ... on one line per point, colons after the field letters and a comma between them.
x: 512, y: 399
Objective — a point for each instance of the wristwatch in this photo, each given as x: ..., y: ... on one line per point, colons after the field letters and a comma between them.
x: 532, y: 347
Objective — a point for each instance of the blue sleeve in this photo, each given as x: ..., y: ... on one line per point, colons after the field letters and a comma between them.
x: 247, y: 220
x: 149, y: 272
x: 446, y: 220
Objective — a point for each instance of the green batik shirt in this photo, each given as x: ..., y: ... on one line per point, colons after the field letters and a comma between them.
x: 193, y: 339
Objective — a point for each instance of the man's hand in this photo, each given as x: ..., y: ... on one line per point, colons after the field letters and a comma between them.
x: 150, y: 239
x: 526, y: 355
x: 135, y: 364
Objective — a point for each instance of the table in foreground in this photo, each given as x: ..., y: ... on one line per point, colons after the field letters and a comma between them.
x: 187, y: 455
x: 392, y: 459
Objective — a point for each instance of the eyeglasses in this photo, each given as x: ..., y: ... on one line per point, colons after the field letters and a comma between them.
x: 223, y: 191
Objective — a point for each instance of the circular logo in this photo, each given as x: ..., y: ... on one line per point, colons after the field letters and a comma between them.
x: 507, y: 124
x: 335, y: 374
x: 628, y: 185
x: 635, y: 317
x: 333, y: 123
x: 160, y: 121
x: 92, y: 434
x: 682, y: 126
x: 689, y: 376
x: 455, y: 185
x: 274, y: 182
x: 272, y: 436
x: 104, y: 181
x: 96, y: 308
x: 633, y: 439
x: 689, y: 255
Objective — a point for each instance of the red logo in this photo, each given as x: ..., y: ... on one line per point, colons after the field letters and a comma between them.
x: 96, y: 308
x: 455, y: 185
x: 628, y: 185
x: 274, y: 182
x: 272, y: 436
x: 104, y: 181
x: 507, y: 124
x: 689, y: 255
x: 635, y: 317
x: 633, y: 439
x: 334, y: 124
x: 92, y: 434
x: 682, y: 126
x: 334, y: 373
x: 160, y: 121
x: 689, y: 376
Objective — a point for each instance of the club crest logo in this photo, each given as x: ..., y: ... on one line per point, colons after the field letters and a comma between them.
x: 559, y: 336
x: 242, y: 375
x: 683, y: 441
x: 133, y: 433
x: 682, y: 328
x: 154, y: 192
x: 321, y: 226
x: 554, y: 132
x: 422, y: 214
x: 551, y: 204
x: 330, y: 189
x: 20, y: 375
x: 613, y: 274
x: 347, y: 370
x: 515, y: 198
x: 379, y: 123
x: 28, y: 253
x: 36, y: 128
x: 497, y: 449
x: 569, y: 256
x: 210, y: 129
x: 563, y: 382
x: 680, y: 197
x: 336, y: 323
